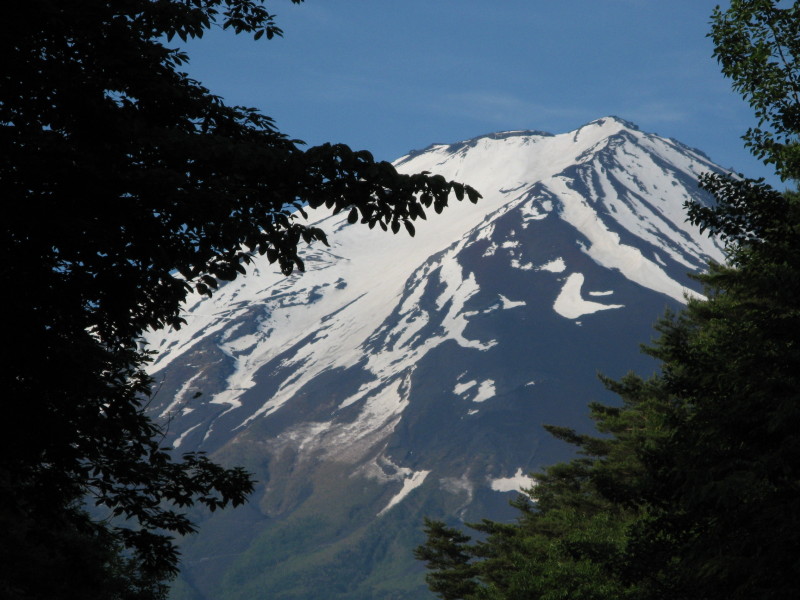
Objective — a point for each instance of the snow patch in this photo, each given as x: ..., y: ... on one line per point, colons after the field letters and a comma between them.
x: 460, y: 388
x: 516, y: 264
x: 486, y: 390
x: 571, y: 305
x: 554, y: 266
x: 177, y: 443
x: 515, y: 483
x: 506, y: 303
x: 180, y: 396
x: 410, y: 483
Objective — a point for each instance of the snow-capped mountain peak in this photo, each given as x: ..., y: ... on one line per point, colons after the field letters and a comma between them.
x: 397, y: 361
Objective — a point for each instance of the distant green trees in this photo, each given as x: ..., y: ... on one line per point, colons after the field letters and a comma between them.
x: 693, y: 489
x: 125, y: 186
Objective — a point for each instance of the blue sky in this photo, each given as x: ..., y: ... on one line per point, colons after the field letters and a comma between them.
x: 390, y: 76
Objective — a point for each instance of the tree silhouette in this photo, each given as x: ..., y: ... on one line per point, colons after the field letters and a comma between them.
x: 126, y: 185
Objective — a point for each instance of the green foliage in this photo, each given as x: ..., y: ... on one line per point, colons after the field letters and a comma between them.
x: 694, y: 491
x: 569, y: 539
x: 445, y: 554
x: 724, y: 483
x: 758, y: 46
x: 127, y: 185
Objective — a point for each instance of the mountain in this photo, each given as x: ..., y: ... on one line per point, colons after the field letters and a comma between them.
x: 400, y: 377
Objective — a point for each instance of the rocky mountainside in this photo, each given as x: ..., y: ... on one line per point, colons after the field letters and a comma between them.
x: 400, y: 377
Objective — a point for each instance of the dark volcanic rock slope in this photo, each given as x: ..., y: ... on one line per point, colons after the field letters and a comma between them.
x: 403, y: 376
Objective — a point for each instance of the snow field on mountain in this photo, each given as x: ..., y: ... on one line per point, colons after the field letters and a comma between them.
x: 359, y: 302
x: 486, y: 390
x: 643, y: 207
x: 605, y: 247
x: 410, y: 483
x: 517, y: 482
x: 571, y: 305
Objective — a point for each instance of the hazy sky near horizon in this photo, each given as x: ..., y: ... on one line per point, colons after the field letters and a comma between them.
x: 390, y: 77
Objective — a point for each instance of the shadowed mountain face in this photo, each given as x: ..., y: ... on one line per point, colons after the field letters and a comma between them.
x: 400, y: 377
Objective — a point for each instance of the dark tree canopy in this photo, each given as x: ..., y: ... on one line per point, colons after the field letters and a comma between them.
x: 693, y: 492
x: 126, y: 184
x: 757, y: 43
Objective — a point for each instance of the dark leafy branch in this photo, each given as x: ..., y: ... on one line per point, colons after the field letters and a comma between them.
x: 126, y: 186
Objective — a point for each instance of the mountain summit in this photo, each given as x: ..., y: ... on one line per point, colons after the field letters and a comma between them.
x: 401, y: 376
